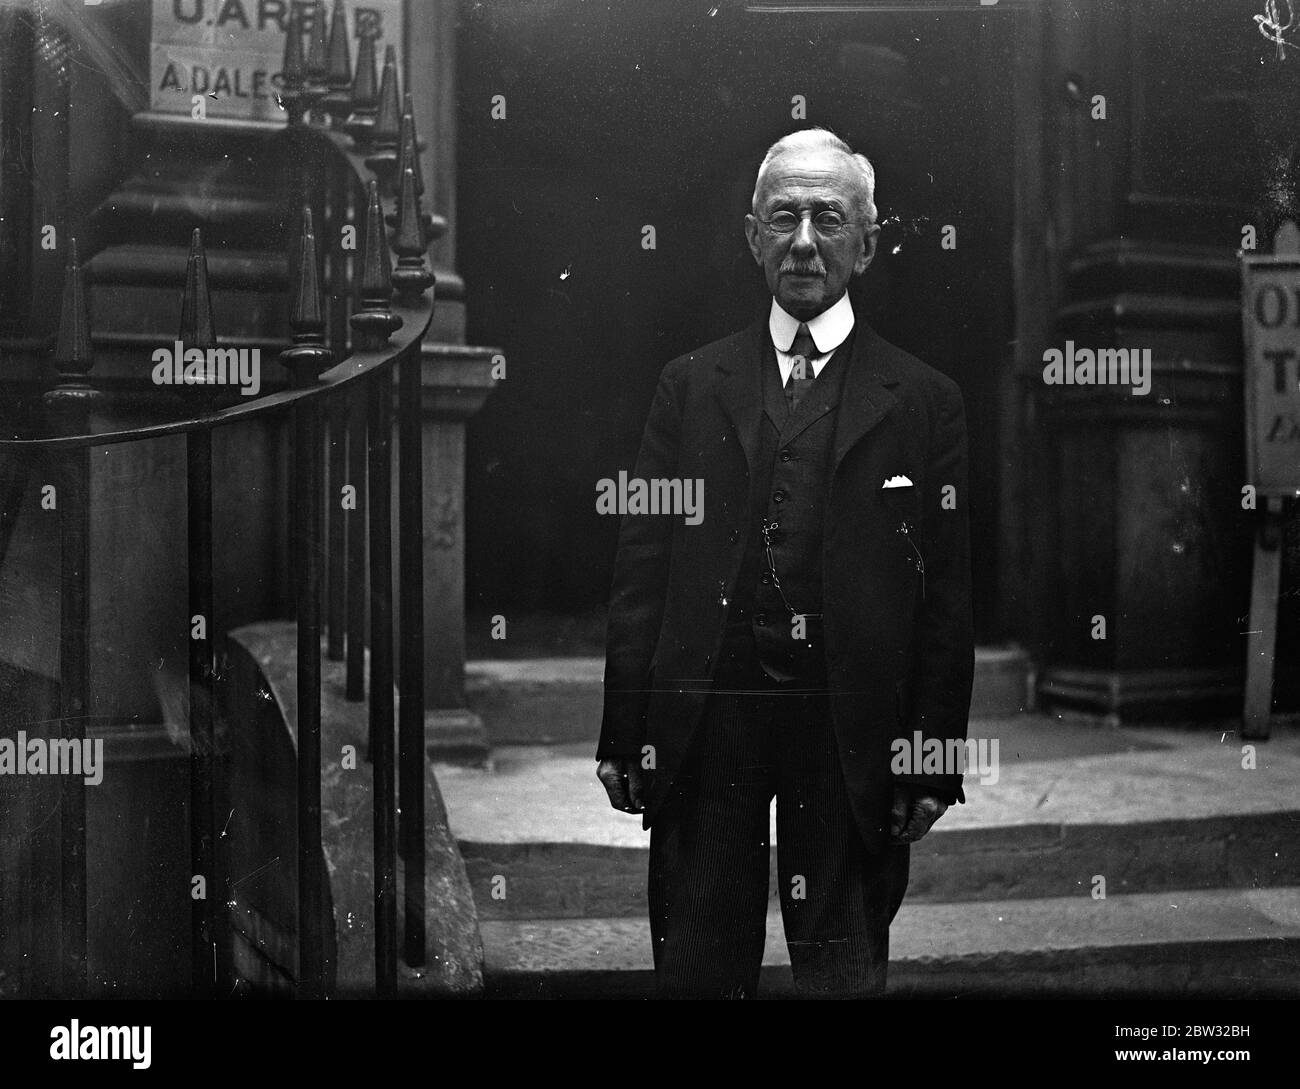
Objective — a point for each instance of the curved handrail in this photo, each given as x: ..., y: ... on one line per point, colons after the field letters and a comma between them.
x: 353, y: 369
x: 415, y: 321
x: 393, y: 310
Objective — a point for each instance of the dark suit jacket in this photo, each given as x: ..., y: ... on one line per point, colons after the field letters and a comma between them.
x: 899, y: 644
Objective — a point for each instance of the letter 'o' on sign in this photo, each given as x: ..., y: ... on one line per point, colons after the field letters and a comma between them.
x: 1270, y: 306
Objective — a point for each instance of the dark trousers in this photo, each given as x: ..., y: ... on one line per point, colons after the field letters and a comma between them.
x: 708, y: 886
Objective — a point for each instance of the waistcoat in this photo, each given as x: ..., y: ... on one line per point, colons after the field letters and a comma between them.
x: 789, y: 487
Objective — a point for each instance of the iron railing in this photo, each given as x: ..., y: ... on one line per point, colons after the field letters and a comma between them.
x: 356, y: 318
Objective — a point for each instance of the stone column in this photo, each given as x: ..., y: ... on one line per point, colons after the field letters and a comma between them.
x: 457, y: 379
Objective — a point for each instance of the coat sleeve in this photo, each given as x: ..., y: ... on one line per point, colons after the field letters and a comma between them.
x: 640, y: 586
x: 943, y: 658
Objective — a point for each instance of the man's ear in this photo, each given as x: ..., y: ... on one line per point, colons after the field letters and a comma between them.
x: 870, y: 237
x: 751, y: 236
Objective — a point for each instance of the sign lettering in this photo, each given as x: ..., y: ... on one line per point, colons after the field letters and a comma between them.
x: 230, y: 51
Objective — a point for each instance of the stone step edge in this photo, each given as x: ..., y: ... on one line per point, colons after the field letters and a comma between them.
x: 576, y: 880
x: 997, y: 837
x: 1267, y: 924
x: 587, y: 669
x: 1182, y: 916
x: 1245, y: 968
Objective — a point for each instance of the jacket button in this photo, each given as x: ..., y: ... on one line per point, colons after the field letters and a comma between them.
x: 760, y: 619
x: 766, y: 580
x: 786, y: 455
x: 778, y: 496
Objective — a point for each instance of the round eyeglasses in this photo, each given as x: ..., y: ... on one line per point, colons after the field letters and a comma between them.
x: 826, y: 223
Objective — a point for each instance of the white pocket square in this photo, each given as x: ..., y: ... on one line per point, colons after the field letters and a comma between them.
x: 897, y: 482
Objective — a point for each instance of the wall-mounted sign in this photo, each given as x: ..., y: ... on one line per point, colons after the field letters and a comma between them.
x: 1270, y: 313
x: 229, y: 51
x: 1271, y: 326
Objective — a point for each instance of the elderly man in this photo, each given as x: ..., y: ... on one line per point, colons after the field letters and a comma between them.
x: 818, y: 613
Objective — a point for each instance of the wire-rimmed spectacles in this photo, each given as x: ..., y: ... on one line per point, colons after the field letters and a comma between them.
x: 827, y: 222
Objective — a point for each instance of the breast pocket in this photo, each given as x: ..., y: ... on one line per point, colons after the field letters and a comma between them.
x: 901, y: 501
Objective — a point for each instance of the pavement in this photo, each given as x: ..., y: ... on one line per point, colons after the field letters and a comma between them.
x: 1052, y: 769
x: 1192, y: 830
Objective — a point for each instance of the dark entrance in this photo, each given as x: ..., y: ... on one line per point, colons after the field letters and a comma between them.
x: 626, y: 115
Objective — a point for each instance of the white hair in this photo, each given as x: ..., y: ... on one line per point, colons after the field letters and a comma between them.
x: 818, y: 137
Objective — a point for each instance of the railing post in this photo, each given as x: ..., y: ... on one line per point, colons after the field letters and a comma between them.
x: 356, y: 544
x: 411, y: 278
x: 381, y: 682
x: 373, y: 324
x: 336, y: 589
x: 339, y: 213
x: 70, y: 403
x: 197, y: 330
x: 305, y: 361
x: 411, y: 757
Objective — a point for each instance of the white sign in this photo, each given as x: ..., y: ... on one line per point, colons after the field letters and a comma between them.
x: 229, y: 51
x: 1271, y: 316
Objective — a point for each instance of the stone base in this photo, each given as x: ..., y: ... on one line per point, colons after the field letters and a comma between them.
x: 1163, y: 695
x: 456, y: 735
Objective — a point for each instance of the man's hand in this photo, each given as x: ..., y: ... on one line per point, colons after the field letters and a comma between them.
x: 913, y: 812
x: 624, y: 783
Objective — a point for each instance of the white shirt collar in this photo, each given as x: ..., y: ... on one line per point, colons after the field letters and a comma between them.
x: 829, y: 329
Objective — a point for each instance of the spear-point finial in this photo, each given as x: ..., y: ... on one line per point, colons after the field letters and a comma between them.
x: 198, y: 329
x: 365, y: 91
x: 374, y: 321
x: 309, y: 355
x: 338, y: 67
x: 317, y: 63
x: 408, y: 110
x: 73, y: 397
x: 389, y: 115
x: 387, y: 128
x: 318, y: 45
x: 293, y: 69
x: 412, y: 276
x: 409, y: 155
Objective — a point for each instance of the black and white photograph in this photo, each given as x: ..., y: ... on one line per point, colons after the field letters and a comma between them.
x: 639, y: 501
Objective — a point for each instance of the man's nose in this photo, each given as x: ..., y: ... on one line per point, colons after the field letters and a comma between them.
x: 805, y: 237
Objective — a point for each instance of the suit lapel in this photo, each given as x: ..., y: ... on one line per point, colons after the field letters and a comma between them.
x: 739, y: 389
x: 866, y: 398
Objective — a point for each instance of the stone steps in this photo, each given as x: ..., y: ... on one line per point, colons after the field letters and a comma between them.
x: 558, y: 700
x: 1194, y: 836
x: 1235, y: 942
x: 573, y: 880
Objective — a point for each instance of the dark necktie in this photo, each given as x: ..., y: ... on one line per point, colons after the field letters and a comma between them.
x: 801, y: 377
